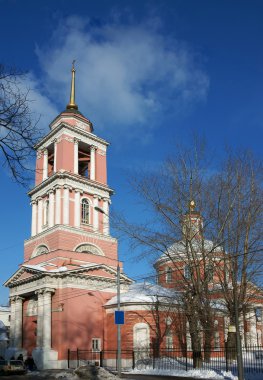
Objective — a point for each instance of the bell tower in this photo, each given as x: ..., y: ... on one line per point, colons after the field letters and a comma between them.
x: 70, y: 260
x: 71, y: 175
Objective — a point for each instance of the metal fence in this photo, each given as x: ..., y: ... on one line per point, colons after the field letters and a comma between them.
x: 172, y: 359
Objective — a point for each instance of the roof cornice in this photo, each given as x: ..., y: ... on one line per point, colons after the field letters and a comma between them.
x: 71, y: 128
x: 71, y: 176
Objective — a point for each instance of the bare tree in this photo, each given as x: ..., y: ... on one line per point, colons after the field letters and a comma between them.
x: 18, y: 127
x: 221, y: 237
x: 237, y: 213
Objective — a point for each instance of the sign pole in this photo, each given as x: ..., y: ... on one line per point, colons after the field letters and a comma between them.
x: 118, y: 325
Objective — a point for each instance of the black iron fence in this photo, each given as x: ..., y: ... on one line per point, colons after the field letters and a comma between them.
x: 172, y: 359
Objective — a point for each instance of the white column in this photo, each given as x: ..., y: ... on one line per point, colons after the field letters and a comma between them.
x: 40, y: 310
x: 34, y: 219
x: 51, y: 209
x: 55, y: 155
x: 77, y: 208
x: 106, y: 223
x: 39, y: 214
x: 92, y: 163
x: 95, y: 213
x: 58, y: 205
x: 76, y: 156
x: 45, y: 165
x: 12, y: 321
x: 47, y: 318
x: 66, y: 205
x: 18, y: 322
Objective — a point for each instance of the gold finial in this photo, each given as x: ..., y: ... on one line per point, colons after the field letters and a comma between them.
x: 192, y: 205
x: 72, y: 104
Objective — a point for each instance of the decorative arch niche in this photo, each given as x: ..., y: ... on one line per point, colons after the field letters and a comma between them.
x: 90, y: 249
x: 40, y: 250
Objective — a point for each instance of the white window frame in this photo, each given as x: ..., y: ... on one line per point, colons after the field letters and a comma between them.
x: 169, y: 341
x: 96, y: 344
x: 169, y: 275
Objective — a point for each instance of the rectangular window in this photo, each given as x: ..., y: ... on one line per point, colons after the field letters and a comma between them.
x: 216, y: 341
x: 187, y: 272
x: 96, y: 346
x: 169, y: 275
x: 169, y: 342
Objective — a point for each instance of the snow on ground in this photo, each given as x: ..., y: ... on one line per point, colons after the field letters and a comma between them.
x: 105, y: 375
x: 198, y: 374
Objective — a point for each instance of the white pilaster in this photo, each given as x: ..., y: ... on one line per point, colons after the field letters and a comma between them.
x: 253, y: 328
x: 77, y: 208
x: 12, y: 321
x: 66, y: 205
x: 95, y: 213
x: 45, y: 165
x: 18, y: 322
x: 47, y: 318
x: 55, y: 155
x: 92, y: 162
x: 58, y: 205
x: 34, y: 219
x: 40, y: 310
x: 76, y: 156
x: 106, y: 209
x: 39, y: 214
x: 51, y: 209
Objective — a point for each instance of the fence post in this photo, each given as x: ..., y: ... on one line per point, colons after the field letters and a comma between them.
x: 101, y: 358
x: 68, y: 357
x: 133, y: 359
x: 226, y: 353
x: 186, y: 363
x: 77, y: 357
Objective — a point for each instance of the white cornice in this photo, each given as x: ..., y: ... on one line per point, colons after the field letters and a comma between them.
x: 75, y: 181
x: 67, y: 279
x: 73, y: 230
x: 75, y: 132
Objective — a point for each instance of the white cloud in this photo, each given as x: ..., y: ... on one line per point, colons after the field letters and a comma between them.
x: 127, y: 75
x: 42, y: 108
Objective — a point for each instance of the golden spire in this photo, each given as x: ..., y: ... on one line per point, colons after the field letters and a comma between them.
x: 72, y: 104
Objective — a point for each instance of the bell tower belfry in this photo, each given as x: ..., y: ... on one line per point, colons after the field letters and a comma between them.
x: 71, y: 175
x: 70, y: 260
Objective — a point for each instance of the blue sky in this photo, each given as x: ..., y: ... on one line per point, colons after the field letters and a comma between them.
x: 149, y: 75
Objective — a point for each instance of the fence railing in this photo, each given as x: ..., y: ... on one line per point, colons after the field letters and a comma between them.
x: 221, y: 359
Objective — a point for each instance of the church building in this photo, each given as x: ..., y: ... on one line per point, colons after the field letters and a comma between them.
x: 64, y: 295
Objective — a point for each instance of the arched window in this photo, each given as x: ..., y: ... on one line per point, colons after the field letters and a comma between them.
x: 46, y: 211
x: 85, y: 214
x: 169, y: 276
x: 40, y: 250
x: 168, y: 334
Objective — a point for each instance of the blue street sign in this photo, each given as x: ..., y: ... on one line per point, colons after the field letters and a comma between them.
x: 119, y: 317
